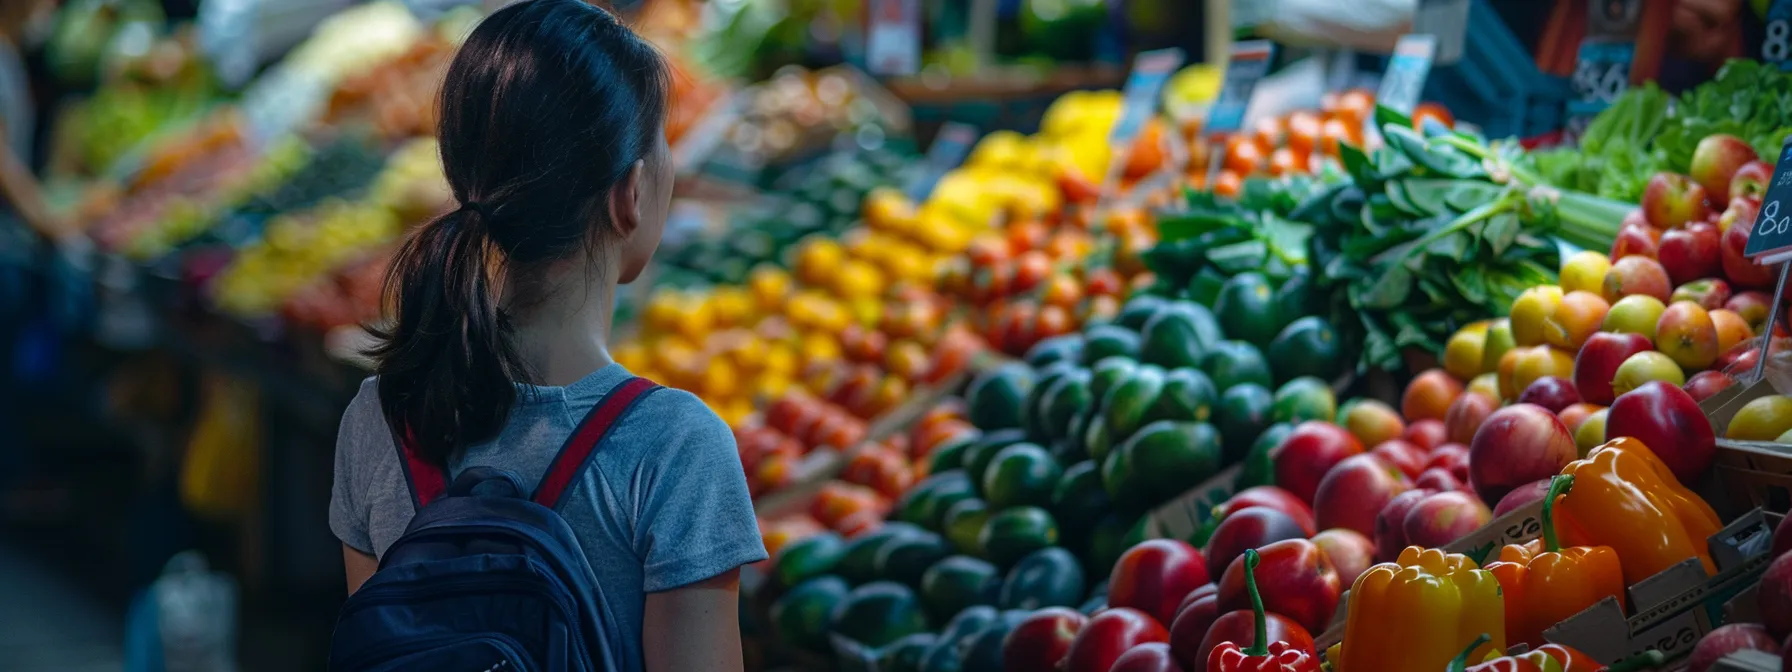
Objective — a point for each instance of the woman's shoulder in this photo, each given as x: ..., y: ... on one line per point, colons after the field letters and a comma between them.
x: 363, y: 423
x: 678, y: 413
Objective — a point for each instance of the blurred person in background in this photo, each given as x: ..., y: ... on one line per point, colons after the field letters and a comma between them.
x: 22, y: 23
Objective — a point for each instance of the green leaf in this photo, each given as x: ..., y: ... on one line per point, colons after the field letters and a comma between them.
x: 1470, y: 284
x: 1385, y: 115
x: 1357, y: 164
x: 1466, y: 195
x: 1189, y: 225
x: 1430, y: 196
x: 1456, y: 245
x: 1501, y: 231
x: 1239, y: 257
x: 1389, y: 290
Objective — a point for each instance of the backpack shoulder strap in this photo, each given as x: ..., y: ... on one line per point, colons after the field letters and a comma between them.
x: 427, y: 480
x: 574, y: 455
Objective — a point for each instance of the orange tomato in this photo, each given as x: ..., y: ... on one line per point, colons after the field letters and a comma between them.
x: 888, y: 394
x: 1062, y: 290
x: 1269, y: 131
x: 915, y: 319
x: 862, y: 468
x: 1068, y: 243
x: 1100, y: 307
x: 954, y: 276
x: 857, y: 524
x: 1336, y: 132
x: 1285, y: 161
x: 1129, y: 252
x: 1026, y: 235
x: 840, y: 432
x: 859, y: 380
x: 1304, y: 128
x: 1432, y: 111
x: 863, y: 345
x: 1140, y: 282
x: 772, y: 473
x: 1030, y: 270
x: 1228, y: 184
x: 1147, y: 153
x: 1243, y: 155
x: 907, y: 359
x: 989, y: 284
x: 839, y: 499
x: 988, y: 250
x: 952, y: 354
x: 778, y: 533
x: 1355, y: 106
x: 1122, y: 220
x: 1053, y: 321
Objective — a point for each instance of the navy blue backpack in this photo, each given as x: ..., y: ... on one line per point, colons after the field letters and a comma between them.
x: 486, y: 578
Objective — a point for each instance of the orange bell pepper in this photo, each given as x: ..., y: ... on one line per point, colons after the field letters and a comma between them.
x: 1544, y: 584
x: 1626, y: 498
x: 1414, y: 614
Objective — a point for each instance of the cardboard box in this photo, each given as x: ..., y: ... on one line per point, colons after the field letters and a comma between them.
x: 1192, y: 511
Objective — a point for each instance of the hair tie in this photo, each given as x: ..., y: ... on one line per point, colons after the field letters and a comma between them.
x: 477, y: 208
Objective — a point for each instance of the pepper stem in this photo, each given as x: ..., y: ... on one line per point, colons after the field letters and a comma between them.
x: 1260, y: 645
x: 1557, y: 486
x: 1460, y: 664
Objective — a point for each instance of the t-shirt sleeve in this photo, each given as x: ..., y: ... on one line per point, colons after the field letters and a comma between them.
x: 696, y: 519
x: 348, y: 503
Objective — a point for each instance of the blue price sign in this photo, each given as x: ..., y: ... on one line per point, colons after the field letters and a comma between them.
x: 1601, y: 75
x: 1150, y: 71
x: 1777, y: 48
x: 948, y: 150
x: 1772, y: 238
x: 1407, y: 70
x: 1248, y: 65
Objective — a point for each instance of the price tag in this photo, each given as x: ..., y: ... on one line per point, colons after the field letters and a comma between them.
x: 949, y: 149
x: 1248, y: 65
x: 1777, y: 48
x: 893, y: 43
x: 1771, y: 241
x: 1602, y: 69
x: 1446, y: 20
x: 1140, y: 99
x: 1404, y: 82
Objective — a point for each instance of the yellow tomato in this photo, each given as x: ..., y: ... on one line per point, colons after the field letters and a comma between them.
x: 748, y: 354
x: 780, y: 360
x: 768, y: 388
x: 941, y: 233
x: 820, y: 346
x: 661, y: 313
x: 733, y: 305
x: 734, y: 411
x: 887, y: 209
x: 770, y: 286
x: 818, y: 259
x: 866, y: 310
x: 719, y: 379
x: 999, y: 149
x: 672, y: 353
x: 696, y: 317
x: 859, y: 279
x: 632, y: 356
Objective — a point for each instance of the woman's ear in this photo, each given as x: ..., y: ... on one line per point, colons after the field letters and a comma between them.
x: 625, y: 200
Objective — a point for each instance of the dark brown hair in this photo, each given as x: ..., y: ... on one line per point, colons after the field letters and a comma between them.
x: 547, y: 107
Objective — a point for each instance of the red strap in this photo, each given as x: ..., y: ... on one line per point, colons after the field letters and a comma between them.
x: 572, y: 457
x: 428, y: 480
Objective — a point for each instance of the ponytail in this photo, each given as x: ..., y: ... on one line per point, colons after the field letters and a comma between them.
x: 447, y: 363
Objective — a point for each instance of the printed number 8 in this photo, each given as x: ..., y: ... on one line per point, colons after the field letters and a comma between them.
x: 1779, y: 41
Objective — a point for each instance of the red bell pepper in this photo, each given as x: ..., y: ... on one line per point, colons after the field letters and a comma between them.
x: 1261, y: 655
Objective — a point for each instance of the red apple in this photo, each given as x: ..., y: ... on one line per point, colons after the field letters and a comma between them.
x: 1192, y: 624
x: 1704, y: 384
x: 1042, y: 640
x: 1667, y: 420
x: 1272, y: 497
x: 1147, y: 657
x: 1636, y: 275
x: 1355, y: 490
x: 1155, y: 575
x: 1390, y: 524
x: 1439, y: 479
x: 1466, y: 415
x: 1521, y: 496
x: 1518, y: 444
x: 1744, y: 273
x: 1740, y: 358
x: 1428, y: 433
x: 1254, y: 527
x: 1405, y: 456
x: 1752, y: 305
x: 1109, y: 635
x: 1729, y: 639
x: 1709, y: 293
x: 1715, y: 162
x: 1750, y: 181
x: 1691, y: 252
x: 1598, y: 362
x: 1295, y: 579
x: 1774, y: 596
x: 1782, y: 537
x: 1687, y: 335
x: 1451, y: 457
x: 1671, y: 200
x: 1445, y: 517
x: 1550, y: 392
x: 1240, y: 627
x: 1351, y: 553
x: 1740, y: 211
x: 1636, y: 239
x: 1308, y: 453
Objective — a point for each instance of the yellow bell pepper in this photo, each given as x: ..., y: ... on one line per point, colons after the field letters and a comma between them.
x: 1416, y: 614
x: 1626, y: 498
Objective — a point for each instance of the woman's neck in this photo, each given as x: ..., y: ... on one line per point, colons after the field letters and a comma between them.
x: 564, y: 336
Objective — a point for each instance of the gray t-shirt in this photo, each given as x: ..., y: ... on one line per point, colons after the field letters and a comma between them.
x: 662, y: 504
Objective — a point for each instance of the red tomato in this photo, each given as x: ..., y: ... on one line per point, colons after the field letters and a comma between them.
x: 986, y: 251
x: 1286, y: 161
x: 952, y: 354
x: 1026, y: 235
x: 1244, y: 156
x: 1337, y: 132
x: 1042, y: 641
x: 1030, y: 269
x: 838, y: 499
x: 1109, y: 635
x: 1154, y: 576
x: 1355, y: 106
x: 789, y: 411
x: 1052, y: 321
x: 1062, y: 290
x: 859, y: 523
x: 1269, y: 131
x: 1104, y: 281
x: 1303, y: 132
x: 1228, y: 184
